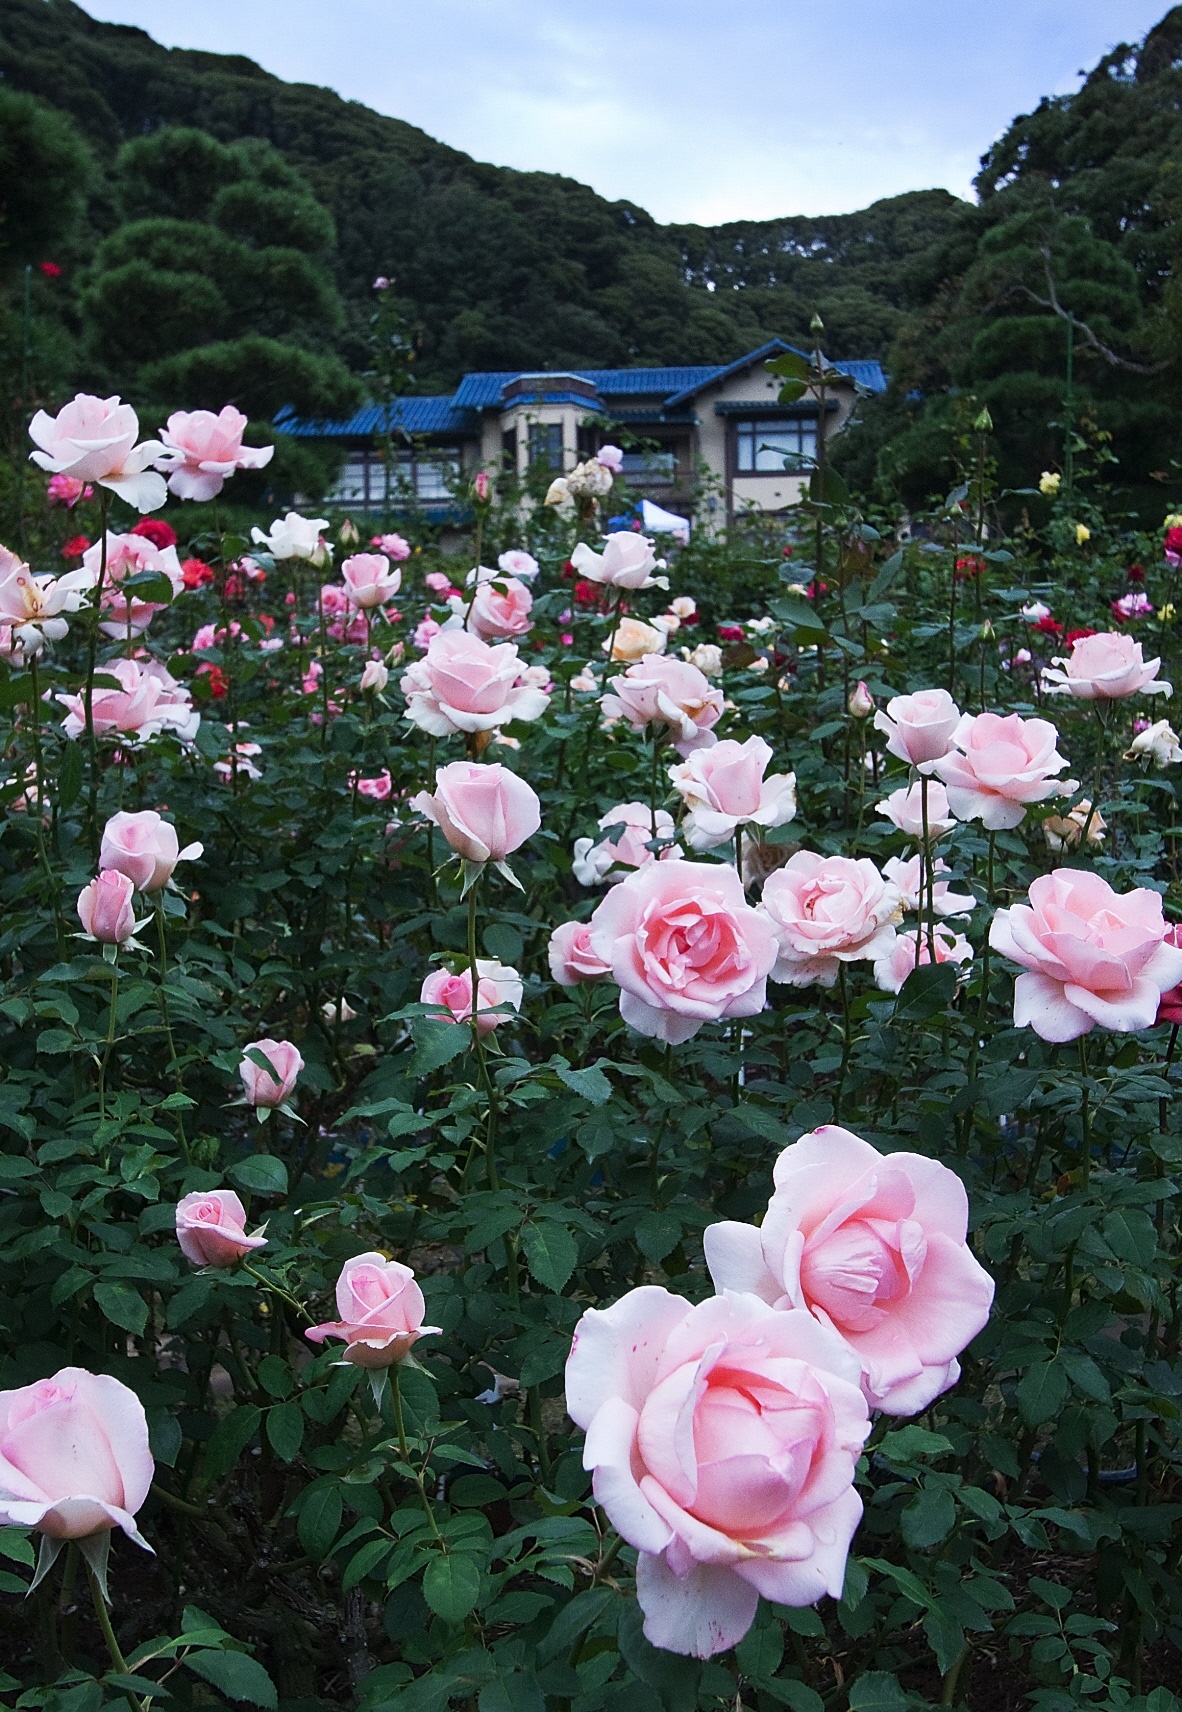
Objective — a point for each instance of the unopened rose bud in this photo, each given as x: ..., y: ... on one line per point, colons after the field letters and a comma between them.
x: 861, y: 702
x: 348, y: 532
x: 375, y: 677
x: 105, y: 909
x: 987, y: 631
x: 984, y: 422
x: 816, y: 325
x: 483, y: 486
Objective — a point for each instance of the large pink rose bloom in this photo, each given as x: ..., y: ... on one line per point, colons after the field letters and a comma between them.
x: 723, y: 1440
x: 998, y: 767
x: 370, y: 580
x: 570, y: 955
x: 825, y: 911
x: 204, y: 449
x: 381, y: 1309
x: 463, y: 684
x: 483, y: 810
x: 31, y: 608
x: 724, y: 787
x: 919, y: 727
x: 627, y: 561
x: 496, y: 987
x: 74, y: 1457
x: 93, y: 439
x: 145, y: 848
x: 600, y: 859
x: 873, y: 1247
x: 148, y: 701
x: 1093, y: 956
x: 496, y: 615
x: 211, y: 1228
x: 684, y: 947
x: 671, y: 693
x: 1106, y: 667
x: 130, y: 556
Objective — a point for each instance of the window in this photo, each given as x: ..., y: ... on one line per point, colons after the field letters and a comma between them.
x: 428, y: 477
x: 649, y: 469
x: 775, y: 444
x: 545, y: 444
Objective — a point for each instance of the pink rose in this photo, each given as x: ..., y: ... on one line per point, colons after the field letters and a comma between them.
x: 484, y: 811
x: 438, y: 583
x: 494, y: 615
x: 463, y: 684
x: 999, y: 766
x: 374, y: 677
x: 203, y: 449
x: 671, y: 693
x: 873, y: 1247
x: 906, y: 878
x: 1105, y: 668
x: 825, y: 911
x: 594, y: 861
x: 611, y: 457
x: 145, y: 848
x: 130, y: 556
x: 496, y: 986
x: 74, y: 1457
x: 1093, y: 956
x: 93, y: 439
x: 632, y: 639
x: 1170, y: 1006
x: 369, y: 579
x: 105, y: 908
x: 894, y: 966
x: 517, y: 563
x: 724, y: 788
x: 905, y: 808
x: 394, y: 546
x: 919, y: 727
x: 67, y: 491
x: 483, y: 486
x: 33, y: 607
x: 425, y: 632
x: 377, y: 790
x: 571, y: 958
x: 149, y: 701
x: 684, y: 947
x: 381, y: 1309
x: 211, y: 1228
x: 723, y: 1440
x: 627, y: 561
x: 266, y: 1088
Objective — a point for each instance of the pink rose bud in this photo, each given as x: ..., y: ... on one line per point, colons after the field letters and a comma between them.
x: 466, y: 684
x: 74, y: 1457
x: 381, y: 1309
x: 145, y: 848
x: 483, y: 486
x: 861, y: 703
x: 724, y: 788
x: 375, y: 677
x: 270, y: 1087
x: 369, y: 580
x: 484, y: 812
x: 105, y: 909
x: 919, y: 727
x: 571, y: 958
x: 905, y: 808
x: 723, y: 1440
x: 874, y: 1247
x: 495, y: 986
x: 377, y: 789
x: 211, y: 1229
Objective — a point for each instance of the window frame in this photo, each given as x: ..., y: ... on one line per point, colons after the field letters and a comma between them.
x: 802, y: 423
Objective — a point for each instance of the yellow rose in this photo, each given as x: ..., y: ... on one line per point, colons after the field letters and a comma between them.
x: 1048, y: 483
x: 1082, y: 534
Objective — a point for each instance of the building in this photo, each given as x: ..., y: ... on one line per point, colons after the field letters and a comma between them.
x: 678, y: 425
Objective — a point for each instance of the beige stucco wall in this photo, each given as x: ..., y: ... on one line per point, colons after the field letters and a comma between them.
x: 756, y: 387
x: 497, y: 424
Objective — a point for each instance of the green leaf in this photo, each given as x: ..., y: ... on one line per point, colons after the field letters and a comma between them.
x: 877, y: 1691
x: 261, y: 1173
x: 517, y: 1692
x: 69, y: 776
x: 657, y: 1235
x: 320, y: 1519
x: 437, y: 1043
x: 285, y: 1430
x: 761, y: 1649
x: 926, y: 991
x: 946, y: 1637
x: 828, y: 488
x: 503, y: 942
x: 123, y: 1306
x: 229, y: 1438
x: 573, y: 1620
x: 276, y: 1376
x: 798, y: 1695
x: 929, y: 1518
x: 1130, y: 1235
x: 792, y: 391
x: 451, y: 1585
x: 550, y: 1253
x: 364, y: 1562
x: 591, y: 1083
x: 151, y: 586
x: 909, y: 1443
x: 236, y: 1675
x: 885, y: 578
x: 789, y: 365
x: 1042, y: 1391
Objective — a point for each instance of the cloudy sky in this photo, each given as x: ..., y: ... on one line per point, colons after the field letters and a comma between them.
x: 705, y: 110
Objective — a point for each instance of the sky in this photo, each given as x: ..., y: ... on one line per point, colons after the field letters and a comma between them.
x: 697, y: 110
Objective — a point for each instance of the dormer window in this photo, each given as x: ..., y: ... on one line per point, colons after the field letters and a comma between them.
x: 773, y: 445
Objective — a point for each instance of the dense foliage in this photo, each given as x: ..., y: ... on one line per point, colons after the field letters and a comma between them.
x: 408, y: 1537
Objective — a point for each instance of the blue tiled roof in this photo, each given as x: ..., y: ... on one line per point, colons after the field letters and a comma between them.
x: 638, y: 382
x: 478, y: 391
x: 867, y: 371
x: 437, y: 415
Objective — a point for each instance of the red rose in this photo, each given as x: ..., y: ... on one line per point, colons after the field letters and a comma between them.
x: 74, y: 549
x: 1074, y: 636
x: 1136, y: 574
x: 155, y: 530
x: 196, y: 574
x: 50, y: 270
x: 730, y: 632
x: 1050, y: 626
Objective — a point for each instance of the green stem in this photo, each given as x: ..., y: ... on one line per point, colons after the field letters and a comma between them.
x: 108, y: 1634
x: 88, y: 691
x: 1085, y: 1114
x: 110, y: 1040
x: 167, y: 1021
x: 404, y: 1451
